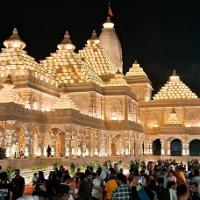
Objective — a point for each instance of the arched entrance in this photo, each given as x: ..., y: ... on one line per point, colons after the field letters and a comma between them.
x: 117, y: 147
x: 156, y: 147
x: 194, y: 147
x: 176, y: 147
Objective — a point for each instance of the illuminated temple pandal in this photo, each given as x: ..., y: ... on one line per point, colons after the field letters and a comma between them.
x: 81, y: 104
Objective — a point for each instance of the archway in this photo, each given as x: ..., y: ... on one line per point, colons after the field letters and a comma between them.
x: 156, y: 147
x: 194, y: 147
x: 117, y: 147
x: 176, y: 147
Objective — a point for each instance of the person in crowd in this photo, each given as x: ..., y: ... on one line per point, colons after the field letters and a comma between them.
x: 171, y: 187
x: 5, y: 187
x: 34, y: 179
x: 171, y: 176
x: 162, y: 193
x: 196, y: 178
x: 123, y: 191
x: 85, y: 188
x: 48, y: 151
x: 194, y: 193
x: 134, y: 184
x: 18, y: 184
x: 97, y: 188
x: 111, y: 184
x: 148, y: 188
x: 182, y: 192
x: 180, y: 176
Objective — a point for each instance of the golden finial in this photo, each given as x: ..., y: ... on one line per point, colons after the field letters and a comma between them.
x: 14, y: 41
x: 174, y: 73
x: 66, y: 42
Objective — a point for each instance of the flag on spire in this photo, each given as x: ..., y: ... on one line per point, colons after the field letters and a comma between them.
x: 110, y: 14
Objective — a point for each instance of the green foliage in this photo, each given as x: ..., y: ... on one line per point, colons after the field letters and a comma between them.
x: 55, y: 165
x: 10, y: 172
x: 72, y: 168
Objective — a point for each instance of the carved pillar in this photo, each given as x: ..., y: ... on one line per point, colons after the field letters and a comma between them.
x: 168, y: 148
x: 8, y: 141
x: 27, y: 137
x: 162, y: 141
x: 53, y: 146
x: 67, y: 144
x: 185, y: 149
x: 40, y: 147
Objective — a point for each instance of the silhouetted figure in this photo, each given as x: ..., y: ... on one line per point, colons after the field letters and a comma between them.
x: 48, y: 151
x: 18, y: 184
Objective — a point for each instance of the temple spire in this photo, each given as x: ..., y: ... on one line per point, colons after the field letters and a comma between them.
x: 14, y: 41
x: 66, y: 43
x: 174, y: 73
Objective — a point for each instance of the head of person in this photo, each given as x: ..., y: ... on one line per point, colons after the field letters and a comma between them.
x: 64, y: 192
x: 66, y: 179
x: 182, y: 192
x: 145, y: 180
x: 88, y: 176
x: 121, y: 179
x: 4, y: 177
x: 150, y: 166
x: 193, y: 187
x: 17, y: 172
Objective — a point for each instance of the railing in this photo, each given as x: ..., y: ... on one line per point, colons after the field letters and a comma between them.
x: 31, y: 162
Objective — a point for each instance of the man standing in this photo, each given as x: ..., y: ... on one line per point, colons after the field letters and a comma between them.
x: 85, y: 189
x: 48, y: 151
x: 18, y: 184
x: 5, y: 187
x: 123, y: 191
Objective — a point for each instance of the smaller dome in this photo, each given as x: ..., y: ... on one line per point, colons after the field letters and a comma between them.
x: 66, y: 43
x: 93, y: 39
x: 14, y: 41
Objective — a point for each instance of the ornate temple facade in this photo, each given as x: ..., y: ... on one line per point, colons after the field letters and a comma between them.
x: 81, y: 104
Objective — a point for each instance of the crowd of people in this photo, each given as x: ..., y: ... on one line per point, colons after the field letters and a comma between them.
x: 161, y: 180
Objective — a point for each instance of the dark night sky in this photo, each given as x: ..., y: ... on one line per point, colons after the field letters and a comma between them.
x: 162, y: 35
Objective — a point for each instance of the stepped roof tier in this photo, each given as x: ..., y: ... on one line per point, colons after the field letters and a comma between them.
x: 13, y: 57
x: 175, y: 89
x: 136, y: 74
x: 67, y: 67
x: 111, y: 43
x: 97, y: 57
x: 136, y: 70
x: 118, y: 80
